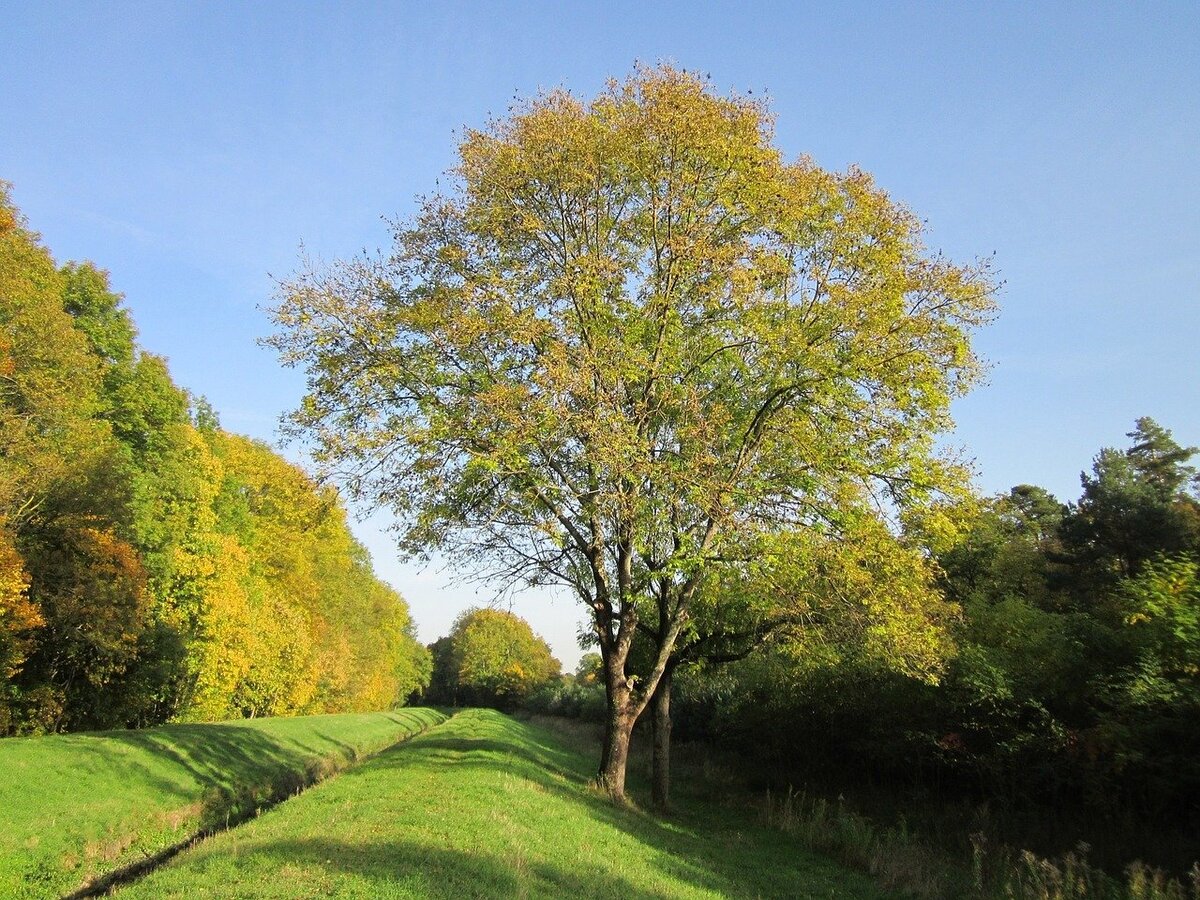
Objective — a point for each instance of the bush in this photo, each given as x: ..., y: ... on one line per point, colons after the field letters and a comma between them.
x: 569, y: 698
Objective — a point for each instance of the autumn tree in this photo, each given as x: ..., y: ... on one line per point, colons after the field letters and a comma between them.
x: 491, y: 658
x: 153, y: 566
x: 632, y: 342
x: 150, y: 490
x: 48, y: 380
x: 590, y: 669
x: 19, y: 619
x: 65, y: 628
x: 291, y: 618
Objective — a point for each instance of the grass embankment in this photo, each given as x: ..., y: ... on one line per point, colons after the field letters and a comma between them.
x: 486, y: 806
x: 77, y: 807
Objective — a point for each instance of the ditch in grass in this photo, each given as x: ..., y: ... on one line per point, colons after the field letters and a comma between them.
x: 487, y: 806
x: 78, y: 808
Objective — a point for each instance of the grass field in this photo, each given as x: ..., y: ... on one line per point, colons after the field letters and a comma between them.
x: 486, y: 806
x: 75, y: 807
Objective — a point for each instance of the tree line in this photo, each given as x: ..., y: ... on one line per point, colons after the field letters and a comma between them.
x: 1070, y: 686
x: 154, y: 566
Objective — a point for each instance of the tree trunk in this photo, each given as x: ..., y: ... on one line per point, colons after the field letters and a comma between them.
x: 608, y: 706
x: 616, y: 752
x: 661, y: 721
x: 604, y: 748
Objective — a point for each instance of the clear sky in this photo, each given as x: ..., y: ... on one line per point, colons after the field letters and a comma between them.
x: 191, y: 148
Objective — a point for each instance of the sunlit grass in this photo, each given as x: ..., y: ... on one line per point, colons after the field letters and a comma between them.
x: 486, y: 806
x: 75, y: 807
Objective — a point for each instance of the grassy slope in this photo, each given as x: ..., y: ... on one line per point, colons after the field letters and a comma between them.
x: 485, y: 806
x: 75, y: 806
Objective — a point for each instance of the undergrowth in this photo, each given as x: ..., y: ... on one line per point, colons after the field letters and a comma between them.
x: 900, y: 861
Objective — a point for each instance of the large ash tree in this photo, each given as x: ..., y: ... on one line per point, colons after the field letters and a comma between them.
x: 630, y: 345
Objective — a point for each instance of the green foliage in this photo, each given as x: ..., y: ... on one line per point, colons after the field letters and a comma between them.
x: 1007, y: 548
x: 1083, y: 614
x: 590, y: 669
x: 48, y: 380
x: 569, y: 698
x: 98, y: 314
x: 1163, y: 605
x: 1068, y: 693
x: 1136, y: 504
x: 491, y: 658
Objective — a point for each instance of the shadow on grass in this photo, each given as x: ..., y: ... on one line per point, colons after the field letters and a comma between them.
x: 708, y: 846
x: 396, y: 868
x: 236, y: 771
x: 239, y: 768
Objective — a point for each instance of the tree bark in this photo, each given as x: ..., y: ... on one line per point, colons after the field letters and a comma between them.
x: 661, y: 721
x: 616, y: 753
x: 604, y: 747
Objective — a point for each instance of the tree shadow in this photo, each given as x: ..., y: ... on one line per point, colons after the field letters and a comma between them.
x: 717, y: 848
x: 410, y: 869
x: 711, y: 848
x: 232, y: 759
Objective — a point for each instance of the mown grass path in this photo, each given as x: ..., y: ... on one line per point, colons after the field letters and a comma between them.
x: 486, y: 806
x: 74, y: 808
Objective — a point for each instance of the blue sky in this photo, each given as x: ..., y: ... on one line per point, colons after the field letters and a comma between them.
x: 190, y: 149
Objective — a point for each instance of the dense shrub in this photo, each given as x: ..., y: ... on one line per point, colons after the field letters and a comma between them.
x: 568, y: 697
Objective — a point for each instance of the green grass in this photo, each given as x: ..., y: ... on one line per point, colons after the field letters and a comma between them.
x: 486, y: 806
x: 76, y: 807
